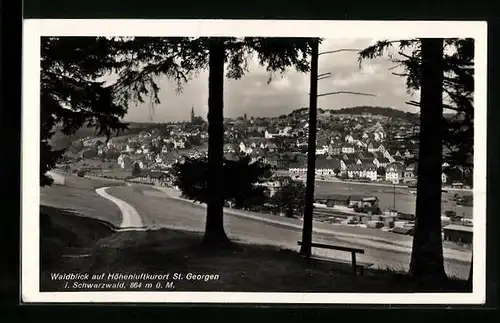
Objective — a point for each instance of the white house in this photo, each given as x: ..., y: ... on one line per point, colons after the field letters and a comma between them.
x: 297, y: 168
x: 124, y: 161
x: 394, y: 172
x: 285, y: 131
x: 179, y: 143
x: 349, y: 138
x: 362, y: 171
x: 321, y: 151
x: 348, y: 149
x: 444, y: 178
x: 269, y: 135
x: 328, y: 167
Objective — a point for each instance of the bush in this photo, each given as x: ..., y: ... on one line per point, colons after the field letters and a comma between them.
x: 80, y: 173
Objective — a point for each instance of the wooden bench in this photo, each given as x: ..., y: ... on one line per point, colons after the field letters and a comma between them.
x: 356, y: 266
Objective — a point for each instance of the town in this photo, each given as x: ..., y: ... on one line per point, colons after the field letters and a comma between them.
x: 354, y: 145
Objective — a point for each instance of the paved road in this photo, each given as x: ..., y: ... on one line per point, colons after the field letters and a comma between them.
x: 157, y: 210
x: 130, y: 217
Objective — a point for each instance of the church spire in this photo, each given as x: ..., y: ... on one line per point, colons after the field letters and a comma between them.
x: 192, y: 114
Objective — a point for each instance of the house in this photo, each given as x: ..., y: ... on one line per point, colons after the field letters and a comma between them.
x: 381, y: 162
x: 349, y: 138
x: 271, y: 147
x: 179, y: 144
x: 372, y: 148
x: 157, y: 177
x: 362, y: 171
x: 334, y: 149
x: 348, y: 149
x: 270, y: 135
x: 458, y: 233
x: 329, y: 167
x: 410, y: 172
x: 285, y: 131
x: 363, y: 201
x: 381, y: 149
x: 444, y: 178
x: 297, y: 168
x: 124, y: 161
x: 394, y: 172
x: 229, y: 148
x: 366, y: 160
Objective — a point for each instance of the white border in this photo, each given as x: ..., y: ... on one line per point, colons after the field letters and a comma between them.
x: 33, y: 29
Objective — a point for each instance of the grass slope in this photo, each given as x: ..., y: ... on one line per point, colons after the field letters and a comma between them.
x: 71, y: 243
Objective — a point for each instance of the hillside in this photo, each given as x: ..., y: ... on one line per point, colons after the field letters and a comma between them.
x: 358, y: 110
x: 61, y: 141
x: 382, y: 111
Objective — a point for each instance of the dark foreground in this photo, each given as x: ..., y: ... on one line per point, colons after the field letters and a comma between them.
x: 81, y: 245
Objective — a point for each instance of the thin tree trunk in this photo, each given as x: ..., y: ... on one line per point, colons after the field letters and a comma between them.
x: 214, y: 227
x: 305, y: 248
x: 427, y: 253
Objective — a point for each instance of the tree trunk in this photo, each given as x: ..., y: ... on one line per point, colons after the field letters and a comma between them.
x: 305, y: 248
x: 426, y: 265
x: 214, y: 227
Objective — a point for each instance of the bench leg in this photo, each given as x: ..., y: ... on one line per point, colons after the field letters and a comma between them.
x: 354, y: 267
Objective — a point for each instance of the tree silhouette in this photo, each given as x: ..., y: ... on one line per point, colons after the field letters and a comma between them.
x: 433, y: 70
x: 136, y: 170
x: 73, y: 94
x: 240, y: 177
x: 277, y: 54
x: 290, y: 199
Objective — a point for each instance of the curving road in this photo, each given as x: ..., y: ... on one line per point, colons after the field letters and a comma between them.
x: 130, y: 217
x: 140, y: 207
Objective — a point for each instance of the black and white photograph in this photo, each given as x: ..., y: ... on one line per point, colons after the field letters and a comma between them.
x: 254, y: 161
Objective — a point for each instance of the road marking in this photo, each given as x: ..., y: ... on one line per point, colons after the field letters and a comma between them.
x: 131, y: 219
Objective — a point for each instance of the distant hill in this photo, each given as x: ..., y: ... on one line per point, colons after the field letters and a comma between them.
x: 381, y: 111
x: 357, y: 110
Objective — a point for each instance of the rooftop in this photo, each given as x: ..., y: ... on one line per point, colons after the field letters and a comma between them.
x: 456, y: 227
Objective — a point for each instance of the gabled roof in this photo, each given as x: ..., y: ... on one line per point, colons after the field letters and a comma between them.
x: 328, y: 163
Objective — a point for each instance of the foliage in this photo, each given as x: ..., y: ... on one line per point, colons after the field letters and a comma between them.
x: 240, y: 179
x: 136, y: 170
x: 74, y: 96
x: 458, y: 89
x: 381, y: 171
x: 290, y: 199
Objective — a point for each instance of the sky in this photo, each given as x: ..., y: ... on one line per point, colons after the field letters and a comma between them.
x: 252, y: 95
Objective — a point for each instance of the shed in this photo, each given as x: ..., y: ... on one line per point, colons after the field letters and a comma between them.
x: 458, y: 233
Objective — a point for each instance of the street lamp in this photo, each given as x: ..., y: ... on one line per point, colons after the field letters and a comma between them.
x: 311, y: 156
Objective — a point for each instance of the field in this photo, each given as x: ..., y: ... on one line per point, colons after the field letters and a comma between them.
x: 78, y: 196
